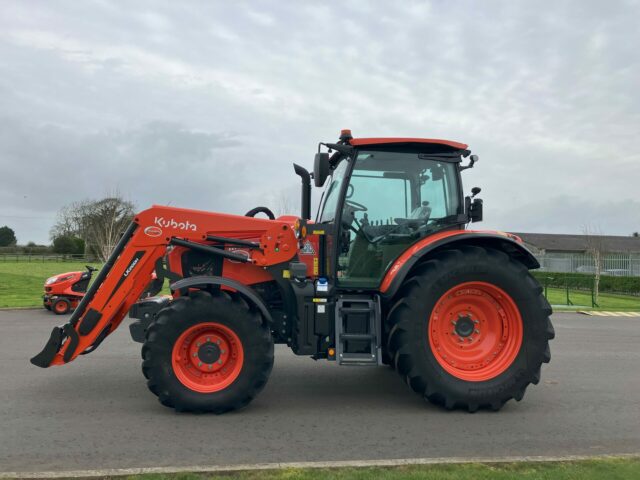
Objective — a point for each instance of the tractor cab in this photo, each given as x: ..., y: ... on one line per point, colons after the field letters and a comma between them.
x: 383, y: 195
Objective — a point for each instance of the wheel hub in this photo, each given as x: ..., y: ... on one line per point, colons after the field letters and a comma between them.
x: 209, y: 352
x: 464, y: 326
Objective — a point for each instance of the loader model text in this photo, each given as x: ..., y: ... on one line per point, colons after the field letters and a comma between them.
x: 132, y: 266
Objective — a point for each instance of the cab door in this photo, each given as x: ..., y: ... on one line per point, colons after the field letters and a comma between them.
x: 391, y: 200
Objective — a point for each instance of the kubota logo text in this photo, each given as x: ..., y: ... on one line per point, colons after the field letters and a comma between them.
x: 171, y: 223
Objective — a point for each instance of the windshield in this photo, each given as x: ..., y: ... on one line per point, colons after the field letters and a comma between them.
x: 332, y: 192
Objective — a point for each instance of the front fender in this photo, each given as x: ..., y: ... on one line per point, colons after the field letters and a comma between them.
x: 247, y: 293
x: 510, y: 244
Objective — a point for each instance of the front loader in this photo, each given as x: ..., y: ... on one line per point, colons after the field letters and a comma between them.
x: 387, y: 274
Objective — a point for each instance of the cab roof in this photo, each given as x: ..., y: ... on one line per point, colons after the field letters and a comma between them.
x: 381, y: 141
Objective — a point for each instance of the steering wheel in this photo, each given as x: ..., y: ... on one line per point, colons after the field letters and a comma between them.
x: 254, y: 211
x: 357, y: 207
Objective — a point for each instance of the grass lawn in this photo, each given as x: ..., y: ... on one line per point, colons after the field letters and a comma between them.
x: 606, y: 301
x: 22, y: 283
x: 610, y: 469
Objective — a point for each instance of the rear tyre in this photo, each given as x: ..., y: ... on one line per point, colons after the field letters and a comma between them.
x: 207, y: 353
x: 470, y: 329
x: 61, y: 306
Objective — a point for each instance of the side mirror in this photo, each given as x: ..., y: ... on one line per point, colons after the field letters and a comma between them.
x: 320, y: 168
x: 472, y: 161
x: 475, y: 210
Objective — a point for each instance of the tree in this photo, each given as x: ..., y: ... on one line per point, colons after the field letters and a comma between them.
x: 71, y: 220
x: 105, y: 221
x: 98, y: 223
x: 7, y: 237
x: 595, y: 248
x: 68, y: 244
x: 635, y: 234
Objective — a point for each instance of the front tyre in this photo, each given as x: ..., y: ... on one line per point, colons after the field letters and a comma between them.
x: 470, y: 329
x: 207, y: 353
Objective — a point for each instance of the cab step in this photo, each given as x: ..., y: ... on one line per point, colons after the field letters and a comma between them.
x: 358, y: 330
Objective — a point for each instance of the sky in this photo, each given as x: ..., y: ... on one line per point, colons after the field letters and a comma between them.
x: 205, y: 104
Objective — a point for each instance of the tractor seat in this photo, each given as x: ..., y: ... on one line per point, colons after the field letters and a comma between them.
x: 419, y: 216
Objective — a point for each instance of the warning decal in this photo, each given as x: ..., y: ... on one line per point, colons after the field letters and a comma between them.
x: 307, y: 249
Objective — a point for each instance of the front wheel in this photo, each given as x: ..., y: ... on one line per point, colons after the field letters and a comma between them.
x: 207, y: 353
x: 470, y: 329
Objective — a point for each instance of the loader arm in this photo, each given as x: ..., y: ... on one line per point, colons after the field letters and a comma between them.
x: 128, y: 270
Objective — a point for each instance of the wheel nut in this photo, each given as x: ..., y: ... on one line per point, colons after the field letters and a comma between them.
x: 220, y: 361
x: 476, y: 331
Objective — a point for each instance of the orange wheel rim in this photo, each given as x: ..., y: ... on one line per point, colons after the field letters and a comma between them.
x: 60, y: 306
x: 207, y: 357
x: 475, y: 331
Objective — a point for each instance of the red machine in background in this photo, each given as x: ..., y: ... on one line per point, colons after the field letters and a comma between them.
x: 63, y: 292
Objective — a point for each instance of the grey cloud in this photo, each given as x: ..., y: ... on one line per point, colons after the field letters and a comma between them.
x: 142, y: 97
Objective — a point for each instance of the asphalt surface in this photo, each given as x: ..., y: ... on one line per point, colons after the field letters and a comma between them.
x: 98, y: 413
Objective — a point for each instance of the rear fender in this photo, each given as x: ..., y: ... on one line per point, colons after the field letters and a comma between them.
x: 246, y: 292
x: 510, y: 244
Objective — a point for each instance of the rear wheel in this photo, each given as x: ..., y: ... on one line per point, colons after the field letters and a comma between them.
x: 470, y: 329
x: 61, y: 306
x: 207, y: 353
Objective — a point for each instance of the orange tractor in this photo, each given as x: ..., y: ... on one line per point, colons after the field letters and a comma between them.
x: 63, y: 292
x: 388, y: 273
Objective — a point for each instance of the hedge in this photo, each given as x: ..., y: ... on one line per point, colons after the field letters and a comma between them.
x: 582, y: 281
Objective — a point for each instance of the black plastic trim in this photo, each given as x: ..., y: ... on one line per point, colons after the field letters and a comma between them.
x: 72, y: 341
x: 89, y: 322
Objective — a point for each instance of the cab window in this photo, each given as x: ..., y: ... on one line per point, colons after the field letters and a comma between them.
x: 393, y: 199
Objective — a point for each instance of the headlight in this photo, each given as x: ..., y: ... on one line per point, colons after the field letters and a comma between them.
x: 51, y: 280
